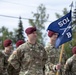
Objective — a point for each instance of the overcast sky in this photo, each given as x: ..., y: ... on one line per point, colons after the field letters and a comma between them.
x: 24, y: 8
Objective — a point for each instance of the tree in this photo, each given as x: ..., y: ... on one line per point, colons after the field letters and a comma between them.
x: 70, y: 44
x: 65, y: 11
x: 4, y: 34
x: 19, y: 32
x: 39, y: 20
x: 74, y: 19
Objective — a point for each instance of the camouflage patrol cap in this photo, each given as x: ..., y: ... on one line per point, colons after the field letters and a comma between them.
x: 50, y: 33
x: 7, y: 42
x: 30, y: 30
x: 74, y: 50
x: 19, y: 42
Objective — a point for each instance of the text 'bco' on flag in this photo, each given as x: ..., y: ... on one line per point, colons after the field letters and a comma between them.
x: 63, y: 27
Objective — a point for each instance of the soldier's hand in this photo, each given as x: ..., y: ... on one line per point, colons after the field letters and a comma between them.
x: 58, y: 66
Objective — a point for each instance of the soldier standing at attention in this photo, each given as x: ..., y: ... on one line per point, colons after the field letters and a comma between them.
x: 11, y: 69
x: 30, y: 57
x: 4, y: 56
x: 70, y: 66
x: 53, y: 55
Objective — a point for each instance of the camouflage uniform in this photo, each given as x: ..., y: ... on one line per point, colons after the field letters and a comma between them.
x: 70, y: 66
x: 29, y: 58
x: 12, y: 71
x: 53, y: 59
x: 3, y: 63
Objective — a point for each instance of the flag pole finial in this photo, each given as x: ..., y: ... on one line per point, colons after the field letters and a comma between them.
x: 71, y: 5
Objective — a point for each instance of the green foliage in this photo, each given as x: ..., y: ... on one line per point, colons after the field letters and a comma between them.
x: 4, y: 34
x: 19, y: 32
x: 65, y: 11
x: 39, y: 19
x: 74, y: 21
x: 14, y: 36
x: 68, y: 49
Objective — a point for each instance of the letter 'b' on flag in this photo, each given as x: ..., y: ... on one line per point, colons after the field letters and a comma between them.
x: 63, y: 27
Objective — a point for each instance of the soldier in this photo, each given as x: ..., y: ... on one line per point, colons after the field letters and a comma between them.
x: 70, y: 66
x: 53, y: 55
x: 31, y: 56
x: 19, y: 42
x: 11, y: 69
x: 4, y: 56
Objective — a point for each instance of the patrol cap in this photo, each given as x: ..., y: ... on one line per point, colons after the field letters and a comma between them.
x: 30, y: 30
x: 50, y: 33
x: 74, y: 50
x: 7, y: 42
x: 19, y: 42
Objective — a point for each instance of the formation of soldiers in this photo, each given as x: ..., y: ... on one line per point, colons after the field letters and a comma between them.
x: 32, y: 58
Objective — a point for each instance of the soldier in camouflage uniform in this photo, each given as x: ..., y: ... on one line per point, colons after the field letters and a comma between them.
x: 11, y: 69
x: 70, y: 66
x: 4, y: 57
x: 30, y: 57
x: 53, y: 55
x: 19, y: 42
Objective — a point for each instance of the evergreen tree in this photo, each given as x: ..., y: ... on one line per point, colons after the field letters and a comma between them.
x: 39, y: 20
x: 19, y: 32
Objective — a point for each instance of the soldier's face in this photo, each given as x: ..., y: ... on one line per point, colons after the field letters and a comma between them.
x: 33, y: 36
x: 54, y: 36
x: 8, y: 49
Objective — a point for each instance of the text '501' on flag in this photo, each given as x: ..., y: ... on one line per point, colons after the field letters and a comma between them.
x: 63, y: 27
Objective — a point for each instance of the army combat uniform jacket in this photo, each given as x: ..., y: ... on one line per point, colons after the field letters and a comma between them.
x: 53, y: 59
x: 3, y: 63
x: 29, y: 58
x: 70, y: 66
